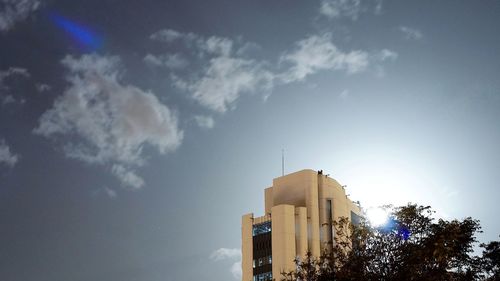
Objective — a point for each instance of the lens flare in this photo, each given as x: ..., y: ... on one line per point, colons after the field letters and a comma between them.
x: 82, y: 35
x: 377, y: 216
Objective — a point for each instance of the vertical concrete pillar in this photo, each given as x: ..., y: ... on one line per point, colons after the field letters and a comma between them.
x: 313, y: 215
x: 301, y: 231
x: 268, y: 199
x: 283, y: 239
x: 247, y: 247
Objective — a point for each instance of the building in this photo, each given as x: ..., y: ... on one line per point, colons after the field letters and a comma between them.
x: 299, y: 210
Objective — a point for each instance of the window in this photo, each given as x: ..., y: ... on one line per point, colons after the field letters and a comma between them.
x: 330, y: 219
x: 261, y: 228
x: 262, y: 261
x: 355, y: 218
x: 267, y: 276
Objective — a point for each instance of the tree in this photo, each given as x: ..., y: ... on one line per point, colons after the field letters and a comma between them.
x: 411, y: 246
x: 491, y: 260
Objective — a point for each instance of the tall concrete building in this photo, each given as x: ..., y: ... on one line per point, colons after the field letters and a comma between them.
x: 299, y: 210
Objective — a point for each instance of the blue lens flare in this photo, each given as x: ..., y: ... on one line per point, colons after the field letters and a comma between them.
x: 404, y: 232
x: 82, y: 35
x: 392, y: 225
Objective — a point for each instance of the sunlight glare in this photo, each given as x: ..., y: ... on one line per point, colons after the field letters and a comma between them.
x: 377, y: 216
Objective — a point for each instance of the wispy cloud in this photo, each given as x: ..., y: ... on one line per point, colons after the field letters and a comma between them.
x: 411, y: 33
x: 7, y: 157
x: 340, y: 8
x: 222, y: 72
x: 205, y: 122
x: 318, y: 52
x: 236, y: 270
x: 344, y: 94
x: 172, y: 61
x: 232, y: 255
x: 387, y: 55
x: 106, y: 121
x: 169, y: 35
x: 12, y: 73
x: 40, y: 87
x: 225, y: 253
x: 13, y: 11
x: 350, y: 9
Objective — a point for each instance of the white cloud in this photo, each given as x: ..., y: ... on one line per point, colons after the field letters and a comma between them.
x: 225, y: 79
x: 378, y: 6
x: 106, y: 121
x: 110, y: 192
x: 223, y: 75
x: 13, y: 11
x: 411, y: 33
x: 40, y: 87
x: 340, y: 8
x: 7, y: 157
x: 229, y: 254
x: 127, y: 177
x: 344, y: 94
x: 317, y: 52
x: 206, y: 122
x: 168, y: 60
x: 225, y: 253
x: 166, y: 35
x: 218, y: 46
x: 386, y: 54
x: 221, y: 72
x: 12, y: 72
x: 236, y: 270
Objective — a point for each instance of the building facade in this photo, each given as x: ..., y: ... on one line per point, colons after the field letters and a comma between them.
x: 299, y: 210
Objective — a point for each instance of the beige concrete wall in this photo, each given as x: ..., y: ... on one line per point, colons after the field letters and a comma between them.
x: 247, y: 247
x: 283, y: 239
x: 301, y: 231
x: 312, y: 206
x: 268, y: 200
x: 301, y: 190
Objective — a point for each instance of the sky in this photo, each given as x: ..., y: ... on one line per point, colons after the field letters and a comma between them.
x: 135, y: 134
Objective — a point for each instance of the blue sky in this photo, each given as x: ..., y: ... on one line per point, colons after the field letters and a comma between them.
x: 134, y: 135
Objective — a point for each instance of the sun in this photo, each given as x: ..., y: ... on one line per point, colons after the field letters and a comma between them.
x: 377, y: 216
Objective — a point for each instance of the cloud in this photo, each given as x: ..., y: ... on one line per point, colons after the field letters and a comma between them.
x: 13, y: 11
x: 172, y: 61
x: 167, y: 35
x: 225, y: 253
x: 236, y: 270
x: 205, y: 122
x: 221, y: 73
x: 229, y: 254
x: 411, y: 33
x: 106, y: 121
x: 225, y: 80
x: 7, y: 157
x: 127, y: 177
x: 340, y: 8
x: 110, y: 192
x: 40, y: 87
x: 386, y: 54
x: 344, y: 94
x: 8, y: 75
x: 317, y: 52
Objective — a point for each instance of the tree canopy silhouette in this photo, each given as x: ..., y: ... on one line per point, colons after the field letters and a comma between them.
x: 412, y: 245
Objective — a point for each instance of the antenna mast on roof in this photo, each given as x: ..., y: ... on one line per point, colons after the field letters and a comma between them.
x: 282, y: 162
